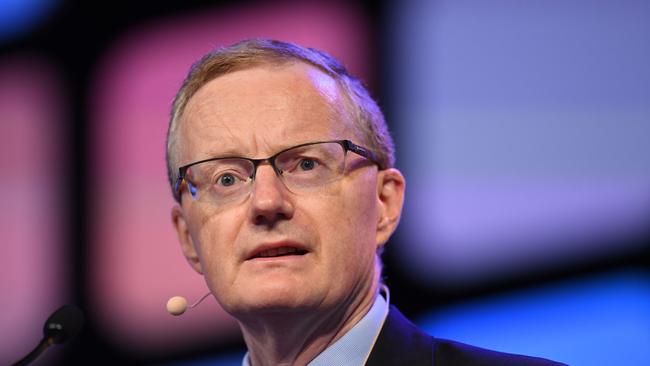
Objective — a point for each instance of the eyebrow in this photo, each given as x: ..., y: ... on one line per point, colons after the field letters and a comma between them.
x: 231, y: 153
x: 236, y: 153
x: 224, y: 153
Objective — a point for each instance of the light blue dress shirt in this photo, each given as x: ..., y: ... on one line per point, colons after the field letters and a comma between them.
x: 354, y: 347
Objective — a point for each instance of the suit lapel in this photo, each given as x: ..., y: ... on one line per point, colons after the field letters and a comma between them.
x: 401, y: 343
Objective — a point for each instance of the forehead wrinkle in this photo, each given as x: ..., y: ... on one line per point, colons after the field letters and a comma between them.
x: 201, y: 143
x: 329, y: 96
x: 301, y: 100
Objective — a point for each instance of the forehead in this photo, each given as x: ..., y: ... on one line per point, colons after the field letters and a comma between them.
x: 255, y: 112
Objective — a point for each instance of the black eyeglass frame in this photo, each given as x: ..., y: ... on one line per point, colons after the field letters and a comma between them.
x: 346, y: 144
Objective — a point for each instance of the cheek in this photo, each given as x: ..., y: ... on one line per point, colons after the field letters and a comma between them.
x: 360, y: 204
x: 214, y: 235
x: 352, y: 224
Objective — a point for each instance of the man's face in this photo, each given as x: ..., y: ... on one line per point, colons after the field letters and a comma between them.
x: 255, y: 113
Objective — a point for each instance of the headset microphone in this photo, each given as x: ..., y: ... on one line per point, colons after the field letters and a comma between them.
x: 177, y: 305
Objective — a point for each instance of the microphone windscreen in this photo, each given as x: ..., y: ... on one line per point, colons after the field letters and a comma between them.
x: 63, y: 324
x: 176, y: 305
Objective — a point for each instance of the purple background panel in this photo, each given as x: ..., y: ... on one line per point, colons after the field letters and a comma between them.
x: 526, y: 146
x: 33, y: 260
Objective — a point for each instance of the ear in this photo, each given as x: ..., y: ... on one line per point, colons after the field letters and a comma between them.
x: 390, y: 195
x: 185, y: 239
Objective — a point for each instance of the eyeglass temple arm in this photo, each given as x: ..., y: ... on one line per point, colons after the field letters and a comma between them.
x: 351, y: 146
x: 179, y: 183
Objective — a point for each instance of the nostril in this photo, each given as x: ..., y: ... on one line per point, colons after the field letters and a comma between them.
x: 270, y: 219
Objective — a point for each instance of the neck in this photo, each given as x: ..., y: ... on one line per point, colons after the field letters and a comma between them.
x: 295, y: 338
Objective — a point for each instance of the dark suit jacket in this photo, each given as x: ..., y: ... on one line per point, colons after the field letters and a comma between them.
x: 401, y: 343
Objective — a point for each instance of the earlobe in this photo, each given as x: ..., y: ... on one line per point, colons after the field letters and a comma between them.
x: 390, y: 195
x: 185, y: 239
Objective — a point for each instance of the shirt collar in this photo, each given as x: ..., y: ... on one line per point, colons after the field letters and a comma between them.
x: 355, y: 346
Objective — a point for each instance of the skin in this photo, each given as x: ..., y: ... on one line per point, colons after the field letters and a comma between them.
x: 289, y: 308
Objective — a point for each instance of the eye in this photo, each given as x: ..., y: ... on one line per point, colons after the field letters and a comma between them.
x: 226, y: 180
x: 307, y: 164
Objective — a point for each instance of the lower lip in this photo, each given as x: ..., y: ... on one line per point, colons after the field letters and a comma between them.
x: 282, y: 258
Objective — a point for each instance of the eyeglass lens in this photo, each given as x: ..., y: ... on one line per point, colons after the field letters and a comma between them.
x: 300, y: 168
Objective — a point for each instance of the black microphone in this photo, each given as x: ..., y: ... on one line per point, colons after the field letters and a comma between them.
x: 61, y: 326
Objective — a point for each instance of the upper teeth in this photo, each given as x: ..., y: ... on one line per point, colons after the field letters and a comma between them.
x: 277, y: 251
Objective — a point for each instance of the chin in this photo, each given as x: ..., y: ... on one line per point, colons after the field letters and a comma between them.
x: 276, y: 299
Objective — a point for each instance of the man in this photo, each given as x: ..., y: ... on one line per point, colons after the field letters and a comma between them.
x: 282, y: 167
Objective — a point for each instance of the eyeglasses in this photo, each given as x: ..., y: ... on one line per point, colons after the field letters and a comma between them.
x: 301, y: 168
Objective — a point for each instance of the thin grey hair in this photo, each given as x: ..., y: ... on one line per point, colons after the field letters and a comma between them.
x: 366, y: 114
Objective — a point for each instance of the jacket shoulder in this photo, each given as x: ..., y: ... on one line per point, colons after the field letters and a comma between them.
x: 455, y: 353
x: 402, y: 343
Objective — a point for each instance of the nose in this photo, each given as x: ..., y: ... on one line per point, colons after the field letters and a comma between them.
x: 270, y: 199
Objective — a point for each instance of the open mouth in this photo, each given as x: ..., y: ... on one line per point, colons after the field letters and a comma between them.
x: 279, y: 252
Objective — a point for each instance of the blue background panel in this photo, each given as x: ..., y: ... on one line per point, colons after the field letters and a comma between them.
x: 603, y: 320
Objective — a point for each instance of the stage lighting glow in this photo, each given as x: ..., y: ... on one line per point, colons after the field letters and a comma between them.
x: 595, y: 321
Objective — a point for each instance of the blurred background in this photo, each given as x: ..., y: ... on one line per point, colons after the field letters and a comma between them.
x: 522, y: 127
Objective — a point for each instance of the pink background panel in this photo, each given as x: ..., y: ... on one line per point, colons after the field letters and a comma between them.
x: 32, y: 263
x: 136, y: 262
